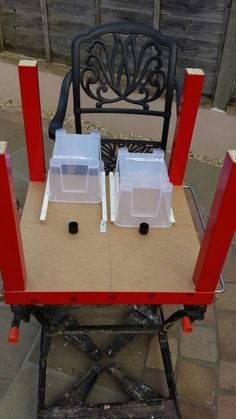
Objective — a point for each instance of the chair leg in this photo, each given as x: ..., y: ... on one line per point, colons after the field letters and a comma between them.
x: 80, y: 390
x: 135, y: 388
x: 83, y: 342
x: 167, y: 362
x: 45, y: 343
x: 120, y: 341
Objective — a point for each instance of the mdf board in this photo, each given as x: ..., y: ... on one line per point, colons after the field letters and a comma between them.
x: 120, y: 260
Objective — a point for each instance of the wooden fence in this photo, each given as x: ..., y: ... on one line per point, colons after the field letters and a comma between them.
x: 44, y: 28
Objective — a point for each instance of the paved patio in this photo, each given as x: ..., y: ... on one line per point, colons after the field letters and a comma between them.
x: 205, y: 361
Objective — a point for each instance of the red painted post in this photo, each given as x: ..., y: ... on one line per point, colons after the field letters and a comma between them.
x: 219, y: 230
x: 29, y: 87
x: 11, y: 255
x: 191, y: 94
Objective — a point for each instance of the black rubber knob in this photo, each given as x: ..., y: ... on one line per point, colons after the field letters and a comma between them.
x: 73, y: 227
x: 143, y: 228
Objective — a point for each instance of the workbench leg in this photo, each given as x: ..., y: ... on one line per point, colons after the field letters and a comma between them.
x: 169, y: 373
x: 30, y: 97
x: 220, y: 228
x: 192, y: 87
x: 167, y: 362
x: 12, y: 261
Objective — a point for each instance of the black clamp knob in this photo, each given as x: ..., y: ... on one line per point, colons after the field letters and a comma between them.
x: 143, y: 228
x: 73, y: 227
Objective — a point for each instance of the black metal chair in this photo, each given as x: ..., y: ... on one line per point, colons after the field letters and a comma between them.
x: 120, y: 62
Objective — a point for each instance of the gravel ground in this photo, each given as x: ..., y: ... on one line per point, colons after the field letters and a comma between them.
x: 15, y: 107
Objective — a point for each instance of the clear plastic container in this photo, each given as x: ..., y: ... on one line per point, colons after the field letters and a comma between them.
x: 142, y: 189
x: 75, y: 168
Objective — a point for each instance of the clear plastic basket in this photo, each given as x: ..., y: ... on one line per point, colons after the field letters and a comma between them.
x: 142, y: 189
x: 75, y: 168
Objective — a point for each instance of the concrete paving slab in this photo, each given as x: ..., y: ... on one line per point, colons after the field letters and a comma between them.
x: 21, y: 399
x: 229, y: 269
x: 210, y: 318
x: 196, y: 382
x: 13, y: 132
x: 101, y: 393
x: 226, y: 407
x: 227, y: 375
x: 201, y: 344
x: 57, y: 384
x: 203, y: 178
x: 227, y: 336
x: 20, y: 165
x: 227, y: 300
x: 154, y: 357
x: 156, y: 379
x: 192, y: 411
x: 21, y: 187
x: 12, y: 356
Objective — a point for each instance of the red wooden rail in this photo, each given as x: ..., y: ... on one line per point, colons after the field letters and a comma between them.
x: 192, y: 87
x: 29, y: 87
x: 219, y: 230
x: 11, y: 254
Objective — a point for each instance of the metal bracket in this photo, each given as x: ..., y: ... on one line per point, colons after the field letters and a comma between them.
x: 44, y: 209
x: 172, y: 217
x: 112, y: 198
x: 103, y: 223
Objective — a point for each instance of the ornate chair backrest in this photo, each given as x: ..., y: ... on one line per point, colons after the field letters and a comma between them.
x: 124, y: 64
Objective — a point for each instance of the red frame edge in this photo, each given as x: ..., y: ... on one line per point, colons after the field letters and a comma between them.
x: 191, y: 94
x: 12, y: 256
x: 30, y: 97
x: 219, y: 230
x: 108, y: 298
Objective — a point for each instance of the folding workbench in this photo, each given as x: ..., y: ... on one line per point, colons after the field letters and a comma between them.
x: 44, y: 267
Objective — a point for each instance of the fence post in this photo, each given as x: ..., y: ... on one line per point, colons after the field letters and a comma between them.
x: 43, y: 7
x: 226, y: 76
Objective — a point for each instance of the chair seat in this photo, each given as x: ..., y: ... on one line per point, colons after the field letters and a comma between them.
x: 110, y: 146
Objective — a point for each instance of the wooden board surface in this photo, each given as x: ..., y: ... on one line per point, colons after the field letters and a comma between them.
x: 118, y: 260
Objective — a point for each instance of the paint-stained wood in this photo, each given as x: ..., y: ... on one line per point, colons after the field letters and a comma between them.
x: 132, y: 409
